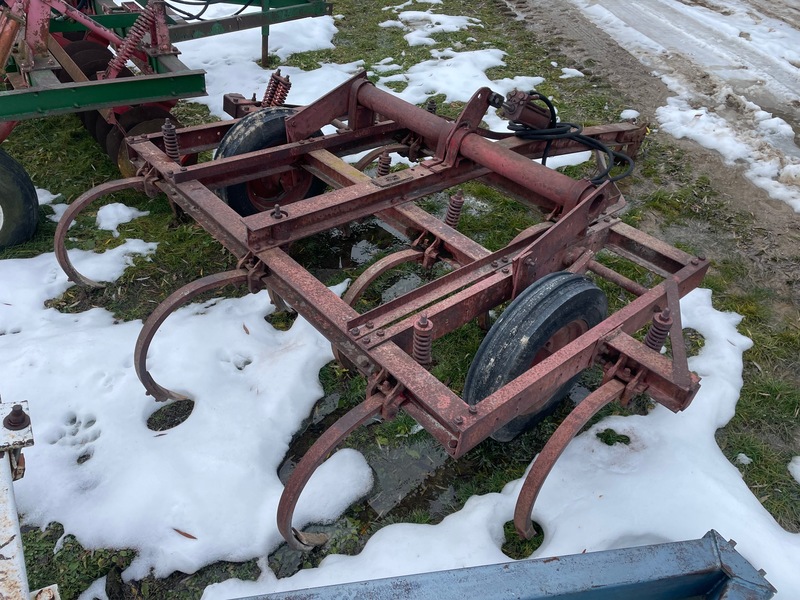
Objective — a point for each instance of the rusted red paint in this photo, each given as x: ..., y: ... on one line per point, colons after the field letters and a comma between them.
x: 380, y: 342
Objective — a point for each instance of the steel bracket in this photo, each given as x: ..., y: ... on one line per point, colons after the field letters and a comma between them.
x: 256, y: 272
x: 391, y: 392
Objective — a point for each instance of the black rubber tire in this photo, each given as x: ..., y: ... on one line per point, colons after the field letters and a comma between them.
x: 259, y: 130
x: 19, y: 206
x: 559, y: 303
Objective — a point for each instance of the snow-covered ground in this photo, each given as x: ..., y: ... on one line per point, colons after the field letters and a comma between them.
x: 207, y: 489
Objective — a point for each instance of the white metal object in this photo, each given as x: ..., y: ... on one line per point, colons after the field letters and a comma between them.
x: 13, y: 576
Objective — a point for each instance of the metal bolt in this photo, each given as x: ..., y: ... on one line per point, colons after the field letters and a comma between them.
x: 422, y: 340
x: 355, y: 331
x: 277, y: 212
x: 370, y: 324
x: 366, y: 340
x: 380, y: 333
x: 701, y: 256
x: 473, y: 409
x: 495, y: 263
x: 505, y: 270
x: 607, y: 219
x: 459, y: 420
x: 695, y: 261
x: 16, y: 419
x: 505, y: 259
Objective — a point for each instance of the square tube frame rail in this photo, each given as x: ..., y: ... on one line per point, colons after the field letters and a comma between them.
x: 708, y: 568
x: 379, y: 343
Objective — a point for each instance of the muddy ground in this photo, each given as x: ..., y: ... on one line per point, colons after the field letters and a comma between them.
x: 771, y: 246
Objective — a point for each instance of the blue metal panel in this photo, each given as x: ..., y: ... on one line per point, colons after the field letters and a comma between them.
x: 708, y: 568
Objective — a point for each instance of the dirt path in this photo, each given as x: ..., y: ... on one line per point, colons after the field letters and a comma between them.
x: 772, y: 247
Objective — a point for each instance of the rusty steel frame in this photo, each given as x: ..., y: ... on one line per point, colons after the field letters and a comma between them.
x: 580, y: 223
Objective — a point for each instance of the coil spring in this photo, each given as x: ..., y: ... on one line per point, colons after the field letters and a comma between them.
x: 277, y: 90
x: 131, y: 41
x: 454, y: 209
x: 430, y: 106
x: 657, y: 334
x: 384, y: 164
x: 171, y: 147
x: 422, y: 341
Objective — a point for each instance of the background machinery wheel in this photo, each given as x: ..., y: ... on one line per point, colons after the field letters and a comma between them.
x: 19, y: 207
x: 545, y: 317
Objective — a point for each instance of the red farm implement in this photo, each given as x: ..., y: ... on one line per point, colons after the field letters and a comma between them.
x: 267, y: 188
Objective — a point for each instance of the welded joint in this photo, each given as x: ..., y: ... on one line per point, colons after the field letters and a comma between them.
x: 358, y: 116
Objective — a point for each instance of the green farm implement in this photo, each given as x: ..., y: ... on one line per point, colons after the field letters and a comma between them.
x: 116, y: 66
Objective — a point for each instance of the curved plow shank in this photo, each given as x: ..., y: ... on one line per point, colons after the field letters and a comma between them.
x: 378, y: 268
x: 553, y: 449
x: 312, y: 459
x: 368, y: 277
x: 160, y: 314
x: 71, y: 213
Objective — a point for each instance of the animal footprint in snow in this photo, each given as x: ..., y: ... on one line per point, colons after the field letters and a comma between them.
x: 80, y: 432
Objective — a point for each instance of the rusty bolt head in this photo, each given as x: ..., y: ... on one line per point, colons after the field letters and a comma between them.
x: 607, y: 219
x: 370, y: 324
x: 505, y: 259
x: 695, y: 261
x: 366, y: 340
x: 380, y: 333
x: 459, y: 420
x: 16, y: 419
x: 505, y: 270
x: 495, y: 263
x: 473, y: 409
x: 355, y: 331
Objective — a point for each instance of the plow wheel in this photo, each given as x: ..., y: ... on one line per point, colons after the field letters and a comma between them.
x: 84, y: 52
x: 136, y: 121
x: 101, y: 129
x: 257, y: 131
x: 544, y: 318
x: 19, y: 207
